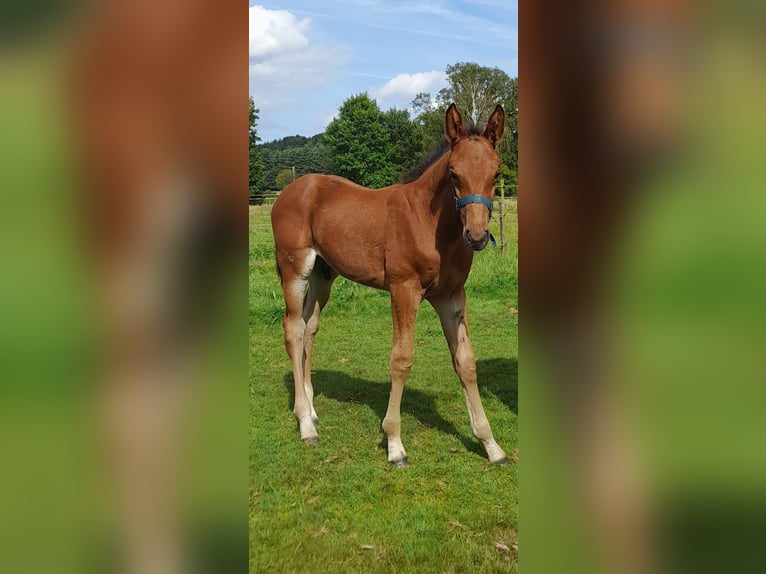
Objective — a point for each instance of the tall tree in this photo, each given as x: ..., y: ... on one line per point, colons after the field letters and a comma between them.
x: 360, y: 144
x: 257, y: 173
x: 476, y: 90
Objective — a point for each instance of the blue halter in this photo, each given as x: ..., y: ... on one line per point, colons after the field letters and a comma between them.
x: 461, y: 201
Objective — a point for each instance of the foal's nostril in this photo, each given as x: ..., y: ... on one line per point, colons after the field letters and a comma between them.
x: 475, y: 244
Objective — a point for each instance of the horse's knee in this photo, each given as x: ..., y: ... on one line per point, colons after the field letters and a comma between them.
x: 465, y: 362
x: 400, y: 365
x: 312, y: 327
x: 294, y: 332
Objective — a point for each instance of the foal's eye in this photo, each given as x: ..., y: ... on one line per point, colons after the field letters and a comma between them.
x: 453, y: 175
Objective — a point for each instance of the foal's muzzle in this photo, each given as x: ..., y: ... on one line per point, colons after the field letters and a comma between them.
x: 473, y: 243
x: 480, y: 242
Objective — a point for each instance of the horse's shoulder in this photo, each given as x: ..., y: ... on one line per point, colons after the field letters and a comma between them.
x: 395, y: 195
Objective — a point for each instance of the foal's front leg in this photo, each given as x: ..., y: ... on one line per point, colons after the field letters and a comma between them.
x: 452, y: 315
x: 405, y: 300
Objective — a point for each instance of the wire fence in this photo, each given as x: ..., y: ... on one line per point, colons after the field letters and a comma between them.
x: 263, y: 198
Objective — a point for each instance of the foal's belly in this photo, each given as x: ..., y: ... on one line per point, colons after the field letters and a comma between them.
x: 361, y: 264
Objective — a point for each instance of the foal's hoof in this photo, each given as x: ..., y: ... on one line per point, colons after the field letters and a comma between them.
x: 501, y: 462
x: 401, y: 462
x: 313, y: 440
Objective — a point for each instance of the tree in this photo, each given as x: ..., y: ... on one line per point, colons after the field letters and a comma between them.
x: 508, y: 147
x: 476, y: 90
x: 257, y: 178
x: 284, y: 178
x: 307, y: 155
x: 429, y: 119
x: 405, y: 140
x: 360, y: 144
x: 254, y: 138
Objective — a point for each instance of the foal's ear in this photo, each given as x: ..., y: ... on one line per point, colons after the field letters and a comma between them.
x: 495, y: 125
x: 453, y: 124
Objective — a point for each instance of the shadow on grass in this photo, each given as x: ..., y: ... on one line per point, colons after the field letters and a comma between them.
x: 501, y: 378
x: 345, y: 388
x: 497, y: 376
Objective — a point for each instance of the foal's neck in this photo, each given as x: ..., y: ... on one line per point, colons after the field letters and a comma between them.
x: 436, y: 187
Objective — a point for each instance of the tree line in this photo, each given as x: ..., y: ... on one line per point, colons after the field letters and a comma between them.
x: 374, y: 147
x: 306, y: 155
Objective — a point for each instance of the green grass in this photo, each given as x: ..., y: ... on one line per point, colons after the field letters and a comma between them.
x: 340, y: 507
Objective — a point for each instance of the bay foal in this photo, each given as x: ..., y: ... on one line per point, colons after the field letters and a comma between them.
x: 414, y: 240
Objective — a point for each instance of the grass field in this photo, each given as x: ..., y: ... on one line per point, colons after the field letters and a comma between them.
x: 339, y: 506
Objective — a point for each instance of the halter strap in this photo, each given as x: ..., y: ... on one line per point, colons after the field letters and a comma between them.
x: 461, y: 201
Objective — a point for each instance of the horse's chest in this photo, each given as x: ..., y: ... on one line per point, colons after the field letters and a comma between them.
x: 442, y: 274
x: 429, y: 273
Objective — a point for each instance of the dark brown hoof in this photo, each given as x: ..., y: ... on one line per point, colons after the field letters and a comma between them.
x: 401, y: 463
x: 313, y: 440
x: 502, y: 462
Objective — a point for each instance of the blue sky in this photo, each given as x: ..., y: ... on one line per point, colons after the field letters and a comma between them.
x: 306, y: 57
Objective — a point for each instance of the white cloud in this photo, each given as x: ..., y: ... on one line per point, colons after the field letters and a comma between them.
x: 402, y: 89
x: 283, y: 59
x: 274, y: 30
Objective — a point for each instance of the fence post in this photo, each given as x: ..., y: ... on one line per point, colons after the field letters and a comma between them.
x: 502, y: 201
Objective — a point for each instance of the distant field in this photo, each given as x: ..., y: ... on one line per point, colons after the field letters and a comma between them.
x: 340, y: 507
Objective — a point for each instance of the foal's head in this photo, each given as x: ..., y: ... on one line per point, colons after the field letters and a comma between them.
x: 474, y: 167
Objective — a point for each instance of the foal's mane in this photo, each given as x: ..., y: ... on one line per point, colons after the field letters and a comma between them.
x: 435, y: 154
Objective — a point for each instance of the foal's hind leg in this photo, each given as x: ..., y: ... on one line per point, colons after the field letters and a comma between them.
x: 452, y: 315
x: 296, y: 267
x: 320, y: 283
